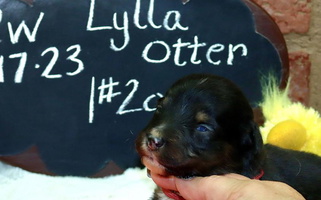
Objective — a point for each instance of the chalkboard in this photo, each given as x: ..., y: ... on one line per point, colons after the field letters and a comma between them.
x: 79, y: 79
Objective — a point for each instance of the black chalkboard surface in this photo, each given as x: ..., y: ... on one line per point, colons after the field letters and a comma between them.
x: 79, y: 79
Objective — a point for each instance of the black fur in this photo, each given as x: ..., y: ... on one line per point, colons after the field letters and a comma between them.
x: 204, y: 125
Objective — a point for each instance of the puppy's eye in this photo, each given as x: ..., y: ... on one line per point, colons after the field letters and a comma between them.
x: 203, y: 128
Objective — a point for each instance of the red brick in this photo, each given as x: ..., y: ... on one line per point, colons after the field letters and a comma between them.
x: 290, y: 15
x: 300, y: 66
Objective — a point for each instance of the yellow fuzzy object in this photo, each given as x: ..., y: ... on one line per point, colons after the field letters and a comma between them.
x: 288, y: 124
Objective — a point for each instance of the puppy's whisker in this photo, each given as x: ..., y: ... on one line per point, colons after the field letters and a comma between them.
x: 191, y: 154
x: 300, y: 167
x: 202, y: 81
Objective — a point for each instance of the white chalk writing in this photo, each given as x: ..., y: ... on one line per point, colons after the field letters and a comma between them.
x: 21, y: 67
x: 107, y: 97
x: 47, y: 72
x: 176, y: 25
x: 180, y: 49
x: 31, y: 36
x: 1, y: 70
x: 180, y: 46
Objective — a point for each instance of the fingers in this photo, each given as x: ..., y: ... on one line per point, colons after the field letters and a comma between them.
x: 227, y: 187
x: 174, y: 183
x: 220, y: 187
x: 237, y: 176
x: 196, y: 188
x: 167, y: 182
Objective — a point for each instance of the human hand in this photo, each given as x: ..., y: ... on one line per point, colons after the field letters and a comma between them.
x: 227, y: 187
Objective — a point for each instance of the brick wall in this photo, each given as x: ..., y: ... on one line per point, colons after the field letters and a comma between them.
x: 294, y: 18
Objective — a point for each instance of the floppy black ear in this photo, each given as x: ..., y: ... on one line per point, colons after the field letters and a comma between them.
x: 252, y: 146
x: 254, y: 138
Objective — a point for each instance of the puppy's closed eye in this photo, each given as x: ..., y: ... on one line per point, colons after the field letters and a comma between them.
x: 204, y: 128
x: 203, y: 121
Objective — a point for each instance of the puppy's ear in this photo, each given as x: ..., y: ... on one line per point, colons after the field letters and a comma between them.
x: 252, y: 146
x: 252, y: 138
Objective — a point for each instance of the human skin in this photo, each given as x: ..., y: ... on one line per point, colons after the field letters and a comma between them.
x: 227, y: 187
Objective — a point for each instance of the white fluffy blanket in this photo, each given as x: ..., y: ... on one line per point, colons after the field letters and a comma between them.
x: 18, y: 184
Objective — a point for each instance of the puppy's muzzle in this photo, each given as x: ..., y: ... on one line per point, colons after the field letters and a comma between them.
x: 155, y: 143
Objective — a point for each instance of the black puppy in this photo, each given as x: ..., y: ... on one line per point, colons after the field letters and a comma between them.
x: 204, y: 126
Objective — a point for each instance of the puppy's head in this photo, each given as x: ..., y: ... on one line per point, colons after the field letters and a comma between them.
x: 203, y: 126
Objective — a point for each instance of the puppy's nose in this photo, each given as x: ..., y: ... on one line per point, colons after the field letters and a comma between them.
x: 154, y: 143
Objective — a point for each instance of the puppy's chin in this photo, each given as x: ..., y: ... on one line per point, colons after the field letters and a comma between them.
x: 154, y: 166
